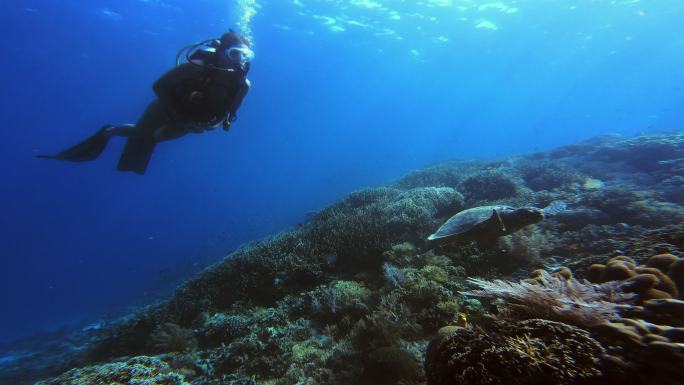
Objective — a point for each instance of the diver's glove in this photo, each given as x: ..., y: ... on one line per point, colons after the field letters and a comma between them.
x: 226, y: 122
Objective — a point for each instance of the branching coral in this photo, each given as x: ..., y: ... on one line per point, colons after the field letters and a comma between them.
x: 355, y: 233
x: 390, y: 321
x: 137, y: 370
x: 223, y: 328
x: 623, y: 204
x: 448, y: 174
x: 338, y: 298
x: 489, y: 185
x: 394, y: 275
x: 389, y: 366
x: 644, y: 152
x: 546, y: 175
x: 170, y: 337
x: 526, y: 245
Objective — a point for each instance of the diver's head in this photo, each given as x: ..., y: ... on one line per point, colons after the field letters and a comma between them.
x: 236, y: 49
x: 233, y: 39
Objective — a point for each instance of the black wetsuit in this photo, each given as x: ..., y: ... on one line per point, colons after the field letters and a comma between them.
x: 200, y: 94
x: 190, y: 98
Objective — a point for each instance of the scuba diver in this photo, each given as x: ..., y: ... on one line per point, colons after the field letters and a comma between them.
x: 195, y: 96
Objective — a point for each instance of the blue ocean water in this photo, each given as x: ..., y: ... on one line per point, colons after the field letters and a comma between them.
x: 346, y: 94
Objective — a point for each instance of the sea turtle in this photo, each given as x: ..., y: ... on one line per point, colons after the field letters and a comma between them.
x: 486, y: 223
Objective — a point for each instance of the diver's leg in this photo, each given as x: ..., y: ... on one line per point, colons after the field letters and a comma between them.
x: 136, y: 155
x: 141, y: 139
x: 126, y: 130
x: 171, y: 130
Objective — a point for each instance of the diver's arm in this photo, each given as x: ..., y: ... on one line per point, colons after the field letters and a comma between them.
x: 239, y: 97
x: 165, y: 86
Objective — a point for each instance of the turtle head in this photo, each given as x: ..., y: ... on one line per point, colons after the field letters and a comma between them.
x: 530, y: 215
x: 518, y: 218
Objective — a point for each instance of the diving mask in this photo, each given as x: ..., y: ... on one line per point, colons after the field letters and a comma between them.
x: 240, y: 54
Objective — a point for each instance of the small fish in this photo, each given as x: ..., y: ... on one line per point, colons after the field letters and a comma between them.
x: 462, y: 320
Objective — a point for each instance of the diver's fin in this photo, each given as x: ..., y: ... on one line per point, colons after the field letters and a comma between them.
x: 88, y: 149
x: 136, y: 154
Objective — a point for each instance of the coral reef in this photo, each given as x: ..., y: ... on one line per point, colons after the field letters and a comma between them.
x: 445, y: 174
x: 138, y: 370
x: 535, y: 351
x: 338, y: 299
x: 660, y: 278
x: 353, y: 296
x: 390, y: 365
x: 643, y: 338
x: 633, y: 207
x: 648, y: 153
x: 221, y: 328
x: 558, y: 297
x: 526, y: 246
x: 489, y: 185
x: 170, y: 337
x: 356, y: 233
x: 546, y: 175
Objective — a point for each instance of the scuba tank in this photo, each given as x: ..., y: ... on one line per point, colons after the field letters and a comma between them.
x: 189, y: 50
x: 193, y: 93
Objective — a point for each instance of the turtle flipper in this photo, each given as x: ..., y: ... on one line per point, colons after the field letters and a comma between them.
x: 486, y: 243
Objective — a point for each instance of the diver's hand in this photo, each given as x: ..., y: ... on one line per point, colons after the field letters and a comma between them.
x: 227, y: 122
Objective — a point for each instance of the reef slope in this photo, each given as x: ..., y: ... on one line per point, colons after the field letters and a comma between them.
x: 355, y: 296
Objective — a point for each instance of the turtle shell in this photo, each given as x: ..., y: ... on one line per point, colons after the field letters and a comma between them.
x: 464, y: 222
